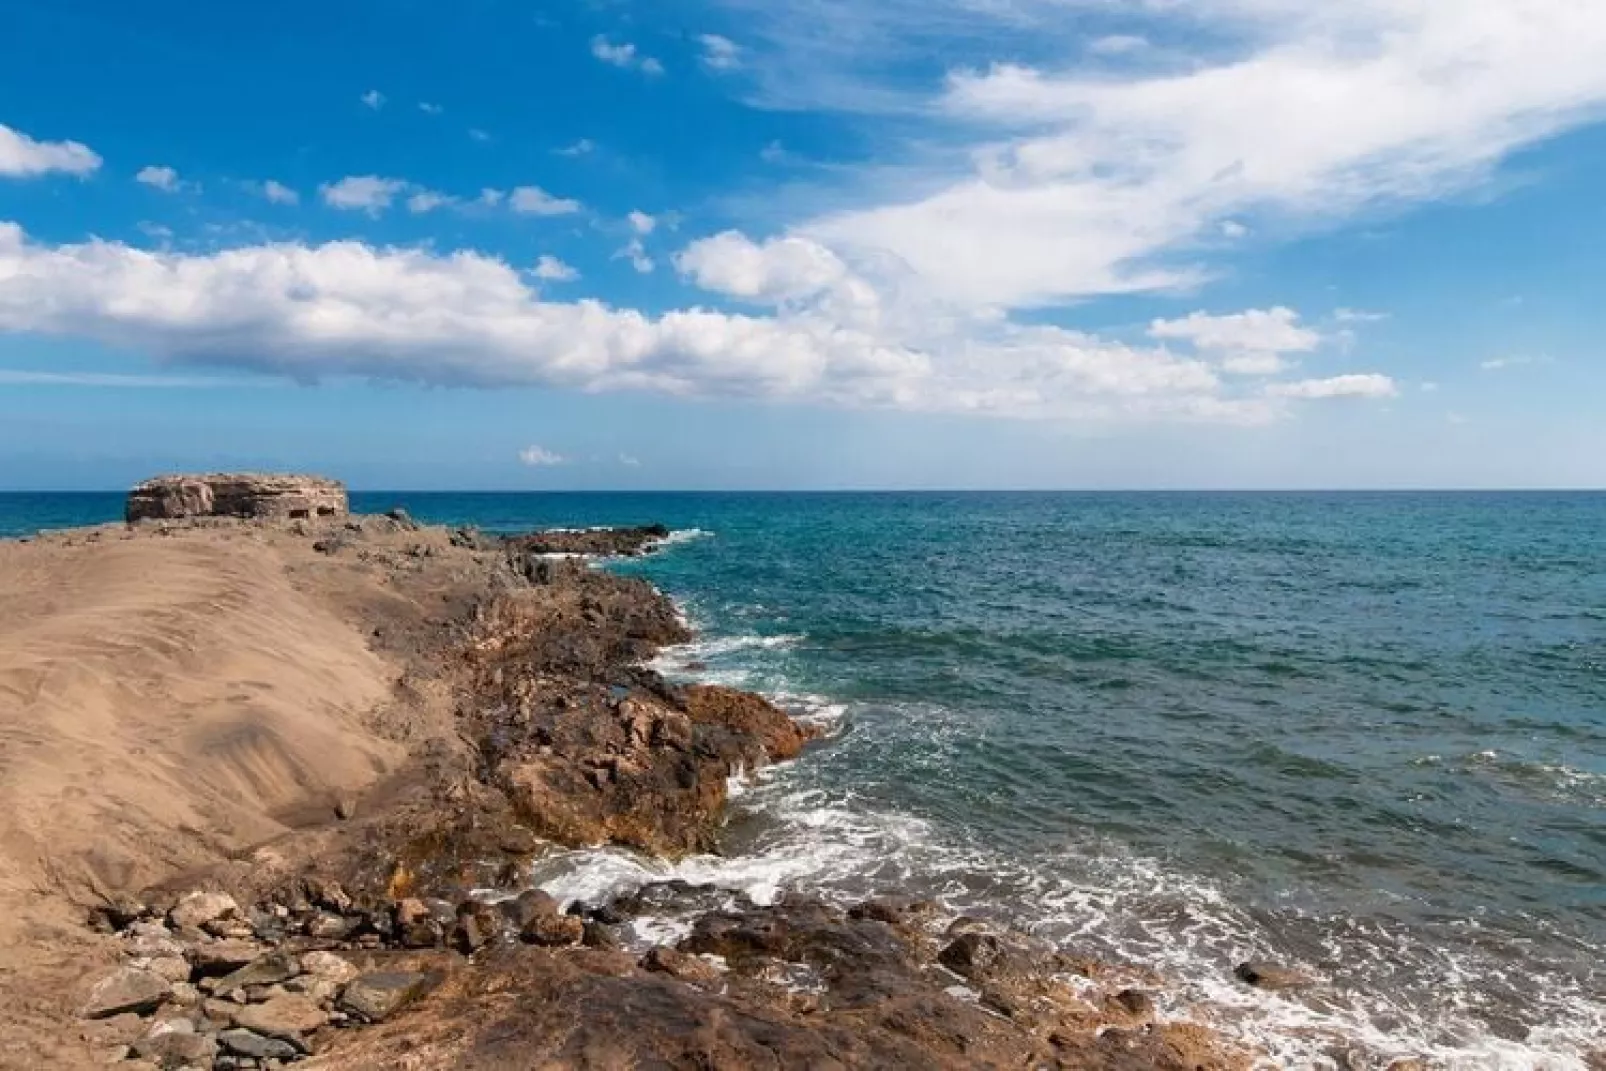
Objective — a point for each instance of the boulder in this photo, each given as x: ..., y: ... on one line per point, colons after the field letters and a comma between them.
x: 173, y: 968
x: 271, y: 969
x: 248, y: 1043
x: 289, y: 1018
x: 223, y: 957
x: 199, y: 908
x: 272, y: 497
x: 176, y: 1049
x: 528, y: 906
x: 553, y: 931
x: 376, y: 997
x: 693, y: 970
x: 126, y: 990
x: 328, y: 966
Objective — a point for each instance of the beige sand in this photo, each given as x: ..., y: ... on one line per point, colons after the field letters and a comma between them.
x: 164, y: 701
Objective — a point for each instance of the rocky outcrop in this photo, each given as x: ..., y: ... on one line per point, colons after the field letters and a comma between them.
x: 261, y: 497
x: 601, y: 542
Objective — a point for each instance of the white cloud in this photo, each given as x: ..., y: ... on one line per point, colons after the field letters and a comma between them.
x: 491, y: 198
x: 1370, y: 385
x: 539, y: 457
x: 465, y: 319
x: 476, y: 134
x: 1117, y: 45
x: 430, y: 109
x: 23, y: 157
x: 579, y: 148
x: 278, y: 193
x: 161, y: 178
x: 720, y: 53
x: 115, y: 380
x: 1275, y: 330
x: 362, y: 193
x: 642, y: 223
x: 1231, y: 228
x: 636, y: 253
x: 373, y: 99
x: 629, y: 461
x: 427, y: 201
x: 1067, y: 181
x: 551, y: 269
x: 625, y: 56
x: 534, y: 201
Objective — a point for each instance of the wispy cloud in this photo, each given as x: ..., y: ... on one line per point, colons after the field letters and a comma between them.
x: 534, y: 201
x: 1522, y: 360
x: 162, y: 178
x: 114, y: 380
x: 624, y: 55
x: 373, y: 99
x: 536, y: 457
x: 582, y: 147
x: 720, y: 53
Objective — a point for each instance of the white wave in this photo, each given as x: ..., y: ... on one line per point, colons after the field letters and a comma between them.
x: 683, y: 535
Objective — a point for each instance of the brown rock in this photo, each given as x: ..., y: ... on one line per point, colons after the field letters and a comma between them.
x: 289, y: 1018
x: 126, y: 990
x: 223, y: 957
x: 327, y: 965
x: 236, y: 495
x: 199, y: 908
x: 553, y: 930
x: 271, y: 969
x: 693, y: 970
x: 377, y: 997
x: 177, y: 1049
x: 528, y: 906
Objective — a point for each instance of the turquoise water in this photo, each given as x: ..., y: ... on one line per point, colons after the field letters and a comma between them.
x: 1361, y: 733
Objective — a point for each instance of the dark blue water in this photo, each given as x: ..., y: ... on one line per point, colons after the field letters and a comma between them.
x: 1365, y: 734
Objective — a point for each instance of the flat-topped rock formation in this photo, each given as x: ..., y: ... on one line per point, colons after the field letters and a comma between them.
x: 255, y: 495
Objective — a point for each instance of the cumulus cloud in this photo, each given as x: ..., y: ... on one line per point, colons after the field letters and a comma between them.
x: 636, y: 253
x: 642, y: 223
x: 1254, y: 342
x: 362, y: 193
x: 466, y: 319
x: 1368, y: 385
x: 534, y: 201
x: 23, y: 157
x: 552, y: 270
x: 720, y: 53
x: 538, y: 457
x: 625, y: 56
x: 160, y: 178
x: 373, y: 99
x: 427, y: 201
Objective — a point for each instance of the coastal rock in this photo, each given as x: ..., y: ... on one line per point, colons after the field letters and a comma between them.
x: 553, y: 931
x: 272, y: 497
x: 693, y: 970
x: 603, y: 542
x: 126, y: 990
x: 1270, y: 976
x: 527, y: 907
x: 271, y: 969
x: 377, y: 997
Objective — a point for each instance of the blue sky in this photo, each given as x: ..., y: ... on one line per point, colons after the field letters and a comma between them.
x: 954, y: 243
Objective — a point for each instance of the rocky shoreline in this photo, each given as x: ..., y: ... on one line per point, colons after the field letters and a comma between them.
x: 396, y: 927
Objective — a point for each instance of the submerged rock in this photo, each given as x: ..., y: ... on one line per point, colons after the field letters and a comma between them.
x: 1272, y: 977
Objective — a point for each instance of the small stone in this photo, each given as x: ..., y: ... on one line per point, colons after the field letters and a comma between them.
x: 1271, y: 977
x: 972, y: 954
x: 328, y: 927
x: 235, y: 929
x: 478, y: 924
x: 1134, y: 1002
x: 117, y: 913
x: 376, y: 997
x: 328, y: 895
x: 327, y: 965
x: 185, y: 995
x: 126, y: 990
x: 346, y: 808
x: 320, y: 991
x: 601, y: 937
x: 693, y: 970
x: 246, y: 1043
x: 553, y: 931
x: 199, y: 908
x: 1414, y: 1064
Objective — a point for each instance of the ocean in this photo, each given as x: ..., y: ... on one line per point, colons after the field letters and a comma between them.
x: 1360, y: 734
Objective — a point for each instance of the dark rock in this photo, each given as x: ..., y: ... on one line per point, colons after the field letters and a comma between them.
x: 893, y: 910
x: 117, y: 913
x: 1134, y: 1002
x: 327, y: 894
x: 246, y: 1043
x: 600, y: 936
x: 478, y: 924
x: 402, y: 519
x: 1271, y: 977
x: 376, y: 997
x: 346, y: 808
x: 972, y: 955
x: 330, y: 927
x: 126, y: 990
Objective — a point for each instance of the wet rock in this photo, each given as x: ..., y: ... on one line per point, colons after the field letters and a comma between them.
x: 377, y: 997
x: 1134, y: 1002
x: 893, y: 910
x: 271, y: 969
x: 289, y: 1018
x: 1414, y: 1064
x: 526, y: 907
x: 255, y: 1046
x: 198, y: 908
x: 973, y: 955
x: 126, y: 990
x: 693, y: 970
x: 600, y: 936
x: 553, y: 930
x: 478, y: 924
x: 1270, y: 976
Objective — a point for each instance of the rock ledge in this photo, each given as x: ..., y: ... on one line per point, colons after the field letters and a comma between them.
x: 253, y: 495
